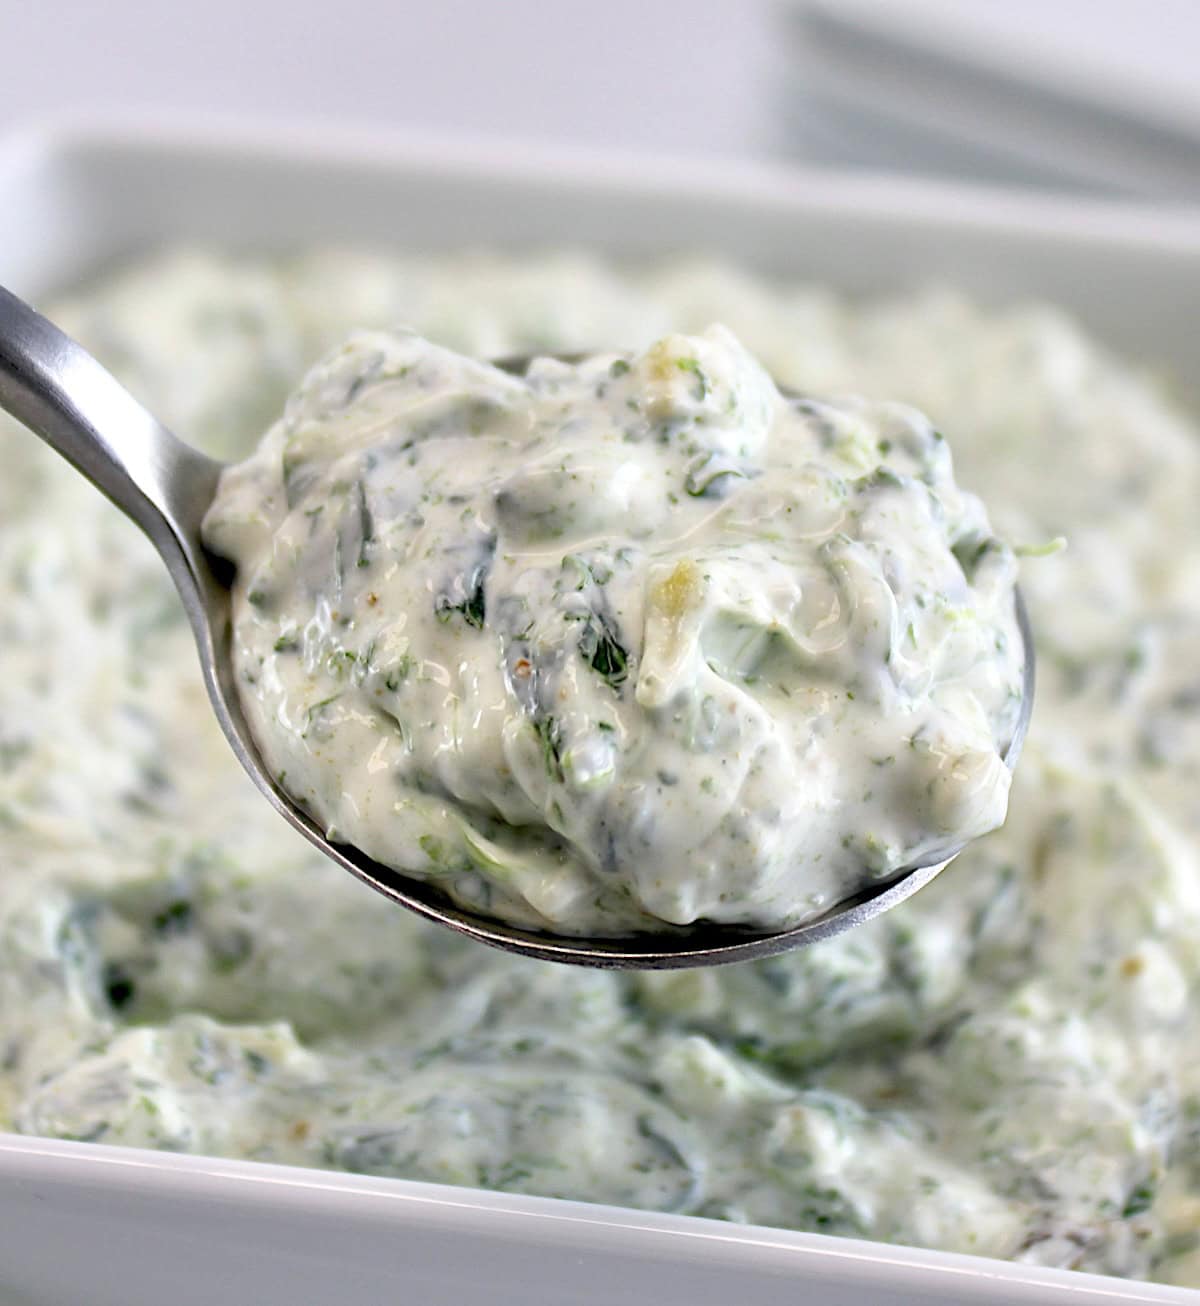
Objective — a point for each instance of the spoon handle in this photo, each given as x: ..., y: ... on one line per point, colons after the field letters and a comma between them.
x: 56, y: 388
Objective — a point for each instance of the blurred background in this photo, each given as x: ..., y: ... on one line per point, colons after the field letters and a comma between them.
x: 1094, y: 94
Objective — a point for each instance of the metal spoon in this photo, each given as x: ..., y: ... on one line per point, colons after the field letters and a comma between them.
x: 61, y: 393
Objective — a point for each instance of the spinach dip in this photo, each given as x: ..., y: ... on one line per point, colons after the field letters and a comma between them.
x: 1003, y: 1065
x: 624, y: 642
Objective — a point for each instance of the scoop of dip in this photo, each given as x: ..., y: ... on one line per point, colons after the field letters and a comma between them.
x: 622, y: 644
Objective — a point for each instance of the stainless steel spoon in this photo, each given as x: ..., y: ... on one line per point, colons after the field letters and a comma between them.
x: 61, y: 393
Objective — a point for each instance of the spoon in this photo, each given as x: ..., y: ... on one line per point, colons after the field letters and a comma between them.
x: 53, y: 386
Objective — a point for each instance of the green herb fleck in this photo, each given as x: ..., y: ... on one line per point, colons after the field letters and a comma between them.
x: 366, y: 525
x: 970, y: 552
x: 1139, y: 1201
x: 313, y: 715
x: 398, y: 672
x: 473, y: 608
x: 709, y: 474
x: 550, y: 733
x: 119, y: 986
x: 433, y: 848
x: 882, y: 478
x: 602, y: 651
x: 692, y: 365
x: 174, y: 918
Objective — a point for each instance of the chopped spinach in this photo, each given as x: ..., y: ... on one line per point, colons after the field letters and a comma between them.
x: 119, y: 985
x: 710, y: 474
x: 971, y: 550
x: 472, y: 609
x: 366, y: 525
x: 466, y: 595
x: 550, y: 733
x: 174, y: 918
x: 1140, y: 1200
x: 602, y: 651
x: 692, y: 365
x: 314, y: 713
x: 882, y: 478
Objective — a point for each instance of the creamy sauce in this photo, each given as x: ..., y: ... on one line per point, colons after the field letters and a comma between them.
x: 624, y: 642
x: 1003, y: 1065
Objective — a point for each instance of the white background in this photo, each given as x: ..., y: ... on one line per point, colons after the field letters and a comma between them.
x: 667, y: 74
x: 677, y: 75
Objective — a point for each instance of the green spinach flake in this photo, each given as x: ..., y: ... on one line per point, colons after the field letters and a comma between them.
x: 602, y: 651
x: 692, y: 365
x: 550, y: 733
x: 1139, y: 1201
x: 472, y: 608
x: 366, y: 525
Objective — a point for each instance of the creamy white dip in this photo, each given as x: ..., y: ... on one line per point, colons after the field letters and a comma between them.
x: 622, y: 642
x: 1004, y: 1065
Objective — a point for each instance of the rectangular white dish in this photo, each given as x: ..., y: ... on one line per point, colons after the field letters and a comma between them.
x: 937, y: 86
x: 88, y: 1223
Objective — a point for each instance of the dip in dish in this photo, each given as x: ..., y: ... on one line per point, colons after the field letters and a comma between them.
x: 624, y: 643
x: 1003, y: 1065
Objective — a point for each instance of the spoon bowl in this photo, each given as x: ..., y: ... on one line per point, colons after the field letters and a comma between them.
x: 53, y: 386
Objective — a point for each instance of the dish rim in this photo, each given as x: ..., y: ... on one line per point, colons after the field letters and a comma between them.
x: 949, y: 205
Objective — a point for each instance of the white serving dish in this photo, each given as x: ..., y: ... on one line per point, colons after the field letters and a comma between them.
x: 964, y: 89
x: 122, y: 1227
